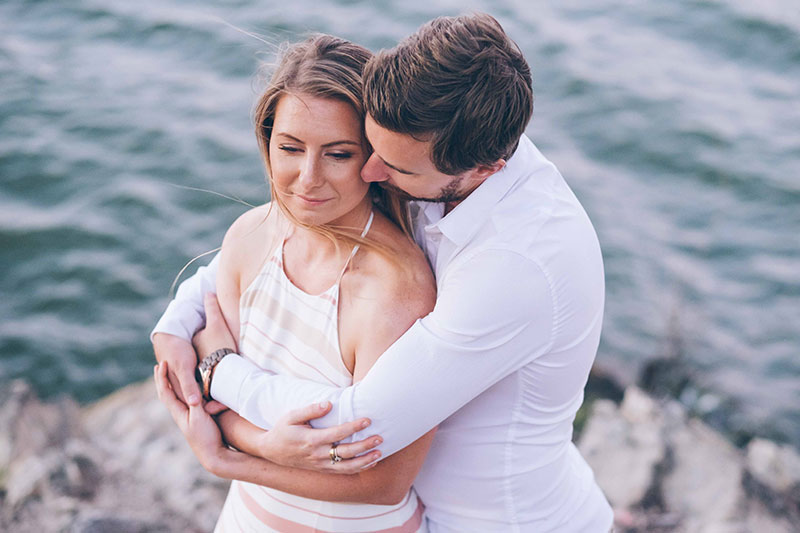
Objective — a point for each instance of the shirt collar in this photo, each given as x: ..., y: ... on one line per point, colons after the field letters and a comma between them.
x: 460, y: 224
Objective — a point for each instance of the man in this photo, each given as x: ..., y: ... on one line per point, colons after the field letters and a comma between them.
x: 501, y: 362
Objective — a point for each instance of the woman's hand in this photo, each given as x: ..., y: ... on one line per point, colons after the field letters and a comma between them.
x: 293, y: 442
x: 216, y: 334
x: 197, y: 426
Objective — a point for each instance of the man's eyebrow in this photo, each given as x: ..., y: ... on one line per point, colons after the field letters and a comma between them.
x: 398, y: 169
x: 326, y: 145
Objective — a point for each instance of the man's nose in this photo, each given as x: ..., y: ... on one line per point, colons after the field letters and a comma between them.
x: 374, y: 170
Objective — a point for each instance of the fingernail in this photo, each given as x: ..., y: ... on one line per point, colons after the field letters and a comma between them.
x: 376, y: 442
x: 323, y: 405
x: 192, y: 399
x: 365, y: 423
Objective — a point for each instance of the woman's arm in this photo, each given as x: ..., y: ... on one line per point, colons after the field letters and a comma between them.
x: 383, y: 484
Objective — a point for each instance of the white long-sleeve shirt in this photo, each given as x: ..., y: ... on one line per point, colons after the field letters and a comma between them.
x: 500, y: 363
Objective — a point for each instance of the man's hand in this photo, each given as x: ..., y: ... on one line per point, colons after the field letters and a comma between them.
x: 293, y: 442
x: 216, y: 334
x: 182, y: 360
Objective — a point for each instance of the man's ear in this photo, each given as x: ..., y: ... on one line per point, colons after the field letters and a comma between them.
x: 481, y: 172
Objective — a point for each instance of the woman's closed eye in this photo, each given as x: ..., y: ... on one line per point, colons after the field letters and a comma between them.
x: 289, y: 149
x: 341, y: 155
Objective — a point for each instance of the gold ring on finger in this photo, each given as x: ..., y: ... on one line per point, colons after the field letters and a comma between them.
x: 334, y: 455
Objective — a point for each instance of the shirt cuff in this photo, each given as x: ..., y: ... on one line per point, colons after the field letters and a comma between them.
x: 228, y: 379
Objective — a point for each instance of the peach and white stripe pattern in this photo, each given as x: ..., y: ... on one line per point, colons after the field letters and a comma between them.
x: 288, y: 331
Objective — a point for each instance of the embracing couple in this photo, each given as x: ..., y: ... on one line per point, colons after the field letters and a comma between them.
x: 375, y: 383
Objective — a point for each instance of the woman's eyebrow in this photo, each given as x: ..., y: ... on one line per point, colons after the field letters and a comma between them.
x: 327, y: 145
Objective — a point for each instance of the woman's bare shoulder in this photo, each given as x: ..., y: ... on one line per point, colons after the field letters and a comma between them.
x: 247, y: 241
x: 387, y: 290
x: 252, y: 222
x: 402, y: 277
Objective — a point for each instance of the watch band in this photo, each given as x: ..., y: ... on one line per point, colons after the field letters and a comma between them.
x: 206, y: 369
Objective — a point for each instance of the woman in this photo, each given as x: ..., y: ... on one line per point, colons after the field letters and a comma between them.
x: 300, y: 281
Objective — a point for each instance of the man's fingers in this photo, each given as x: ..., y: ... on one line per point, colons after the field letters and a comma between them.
x: 214, y: 407
x: 310, y: 412
x: 175, y: 407
x: 175, y: 384
x: 350, y: 450
x: 189, y: 388
x: 342, y: 431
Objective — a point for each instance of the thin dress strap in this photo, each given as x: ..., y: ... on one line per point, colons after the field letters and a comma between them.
x: 355, y: 248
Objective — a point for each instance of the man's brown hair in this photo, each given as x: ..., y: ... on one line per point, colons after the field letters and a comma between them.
x: 459, y: 82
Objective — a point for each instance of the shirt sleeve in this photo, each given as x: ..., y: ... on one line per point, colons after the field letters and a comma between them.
x: 185, y: 314
x: 494, y: 314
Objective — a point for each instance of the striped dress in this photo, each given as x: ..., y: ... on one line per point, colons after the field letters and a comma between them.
x: 288, y: 331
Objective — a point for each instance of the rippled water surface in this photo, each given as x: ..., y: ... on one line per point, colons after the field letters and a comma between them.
x: 677, y: 124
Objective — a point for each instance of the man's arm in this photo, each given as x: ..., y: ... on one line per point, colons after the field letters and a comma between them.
x: 172, y: 335
x: 184, y: 314
x: 483, y: 328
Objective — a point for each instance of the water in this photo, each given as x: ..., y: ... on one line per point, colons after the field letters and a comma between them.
x: 677, y: 124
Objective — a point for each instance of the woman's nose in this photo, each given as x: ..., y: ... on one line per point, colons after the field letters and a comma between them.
x: 309, y: 174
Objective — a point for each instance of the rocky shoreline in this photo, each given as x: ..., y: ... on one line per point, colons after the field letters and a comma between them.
x: 121, y: 465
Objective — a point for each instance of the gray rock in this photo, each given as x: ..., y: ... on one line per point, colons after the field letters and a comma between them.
x: 145, y: 443
x: 774, y: 466
x: 28, y: 426
x: 624, y: 447
x: 26, y: 479
x: 705, y: 483
x: 113, y: 524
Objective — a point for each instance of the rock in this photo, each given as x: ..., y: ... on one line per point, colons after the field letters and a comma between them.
x: 76, y: 474
x: 624, y: 447
x: 760, y: 518
x: 69, y: 472
x: 28, y: 426
x: 774, y: 466
x: 773, y: 478
x: 109, y: 524
x: 145, y: 443
x: 26, y: 479
x: 705, y: 483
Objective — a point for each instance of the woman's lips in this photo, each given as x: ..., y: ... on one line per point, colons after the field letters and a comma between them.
x: 312, y: 201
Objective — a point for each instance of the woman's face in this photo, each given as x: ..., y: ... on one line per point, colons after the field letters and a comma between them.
x: 316, y: 151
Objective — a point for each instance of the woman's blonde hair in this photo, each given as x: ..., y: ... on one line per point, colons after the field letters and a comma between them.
x: 327, y: 67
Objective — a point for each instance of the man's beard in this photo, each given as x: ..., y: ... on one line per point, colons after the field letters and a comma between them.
x: 449, y: 193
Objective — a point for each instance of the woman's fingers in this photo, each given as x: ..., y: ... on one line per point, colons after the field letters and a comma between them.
x: 350, y: 450
x: 355, y: 465
x: 342, y: 431
x: 305, y: 414
x: 214, y: 407
x: 175, y: 407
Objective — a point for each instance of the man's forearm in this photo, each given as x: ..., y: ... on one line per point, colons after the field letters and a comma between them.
x: 184, y: 314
